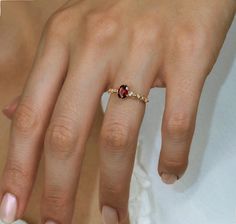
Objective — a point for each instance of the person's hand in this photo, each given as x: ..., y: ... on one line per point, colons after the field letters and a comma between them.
x: 88, y: 47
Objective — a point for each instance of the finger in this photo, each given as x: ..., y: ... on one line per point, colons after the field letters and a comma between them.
x: 10, y: 109
x: 119, y: 135
x: 182, y: 99
x: 29, y: 122
x: 118, y: 143
x: 66, y: 137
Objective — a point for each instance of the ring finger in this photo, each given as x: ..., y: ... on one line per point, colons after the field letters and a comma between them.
x: 119, y: 135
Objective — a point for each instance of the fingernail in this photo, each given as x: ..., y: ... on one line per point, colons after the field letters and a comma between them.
x: 109, y: 215
x: 50, y: 222
x: 20, y: 222
x: 8, y: 208
x: 168, y: 178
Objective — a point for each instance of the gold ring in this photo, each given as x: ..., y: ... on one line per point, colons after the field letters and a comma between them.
x: 124, y: 92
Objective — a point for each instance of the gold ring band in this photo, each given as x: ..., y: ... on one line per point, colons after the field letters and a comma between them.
x: 124, y: 92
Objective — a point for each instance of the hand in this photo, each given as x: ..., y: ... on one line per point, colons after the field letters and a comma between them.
x: 86, y: 48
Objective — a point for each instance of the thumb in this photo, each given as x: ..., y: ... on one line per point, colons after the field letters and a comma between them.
x: 10, y: 109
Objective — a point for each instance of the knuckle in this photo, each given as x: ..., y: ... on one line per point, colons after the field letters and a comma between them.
x: 60, y: 17
x: 115, y: 136
x: 178, y: 127
x: 59, y: 22
x: 101, y: 26
x: 56, y: 198
x: 60, y: 138
x: 25, y: 118
x: 190, y: 39
x: 16, y: 175
x: 147, y: 33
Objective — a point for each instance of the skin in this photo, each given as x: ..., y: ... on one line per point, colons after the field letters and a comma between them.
x: 88, y: 47
x: 18, y: 52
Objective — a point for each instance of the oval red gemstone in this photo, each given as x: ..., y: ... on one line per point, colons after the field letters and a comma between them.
x: 123, y: 91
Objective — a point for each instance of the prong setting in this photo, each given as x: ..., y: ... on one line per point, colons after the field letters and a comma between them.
x: 124, y: 92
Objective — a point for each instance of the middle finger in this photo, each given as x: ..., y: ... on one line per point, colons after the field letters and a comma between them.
x: 67, y: 134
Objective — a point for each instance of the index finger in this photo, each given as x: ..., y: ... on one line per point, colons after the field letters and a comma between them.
x: 27, y: 131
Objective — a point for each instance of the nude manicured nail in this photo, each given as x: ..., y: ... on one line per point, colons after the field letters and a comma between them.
x: 19, y: 221
x: 50, y: 222
x: 168, y: 178
x: 109, y: 215
x: 8, y: 208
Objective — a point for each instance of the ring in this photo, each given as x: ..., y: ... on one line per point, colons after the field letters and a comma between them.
x: 124, y: 92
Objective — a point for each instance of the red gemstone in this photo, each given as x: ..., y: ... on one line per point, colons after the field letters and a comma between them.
x: 123, y: 91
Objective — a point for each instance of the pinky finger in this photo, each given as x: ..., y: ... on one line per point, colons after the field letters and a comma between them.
x: 178, y: 127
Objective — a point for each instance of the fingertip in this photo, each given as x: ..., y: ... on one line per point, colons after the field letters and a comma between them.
x: 8, y: 208
x: 171, y: 174
x: 109, y: 215
x: 168, y: 178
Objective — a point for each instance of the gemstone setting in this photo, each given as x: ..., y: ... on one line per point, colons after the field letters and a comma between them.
x: 123, y: 91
